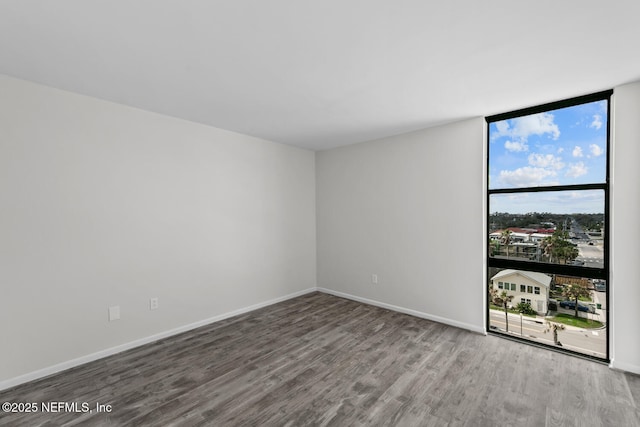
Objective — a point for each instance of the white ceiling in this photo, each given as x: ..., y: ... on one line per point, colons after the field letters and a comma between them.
x: 323, y: 73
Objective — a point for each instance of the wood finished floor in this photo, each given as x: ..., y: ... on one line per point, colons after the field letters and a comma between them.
x: 321, y: 360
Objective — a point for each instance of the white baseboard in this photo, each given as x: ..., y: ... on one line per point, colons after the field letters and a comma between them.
x: 446, y: 321
x: 626, y: 367
x: 41, y: 373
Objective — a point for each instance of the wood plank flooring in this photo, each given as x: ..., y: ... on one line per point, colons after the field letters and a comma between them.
x: 321, y: 360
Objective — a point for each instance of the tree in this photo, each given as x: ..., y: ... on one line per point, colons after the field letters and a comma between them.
x: 547, y: 246
x: 555, y: 327
x: 574, y: 291
x: 525, y: 308
x: 506, y: 239
x: 568, y: 253
x: 494, y: 248
x: 502, y: 299
x: 558, y: 247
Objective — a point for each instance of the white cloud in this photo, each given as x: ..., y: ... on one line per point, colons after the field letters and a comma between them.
x: 596, y: 150
x: 516, y: 146
x: 576, y: 170
x: 597, y: 122
x: 545, y: 161
x: 560, y: 150
x: 523, y: 127
x: 582, y: 195
x: 577, y: 152
x: 526, y: 177
x: 536, y: 124
x: 503, y: 127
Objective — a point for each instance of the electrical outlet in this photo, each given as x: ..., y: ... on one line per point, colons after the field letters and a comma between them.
x: 374, y: 279
x: 114, y: 313
x: 153, y: 304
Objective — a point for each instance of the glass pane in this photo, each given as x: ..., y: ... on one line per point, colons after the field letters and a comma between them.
x: 557, y: 227
x: 552, y: 317
x: 560, y: 147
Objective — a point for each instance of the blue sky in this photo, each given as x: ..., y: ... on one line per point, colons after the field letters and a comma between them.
x: 559, y: 147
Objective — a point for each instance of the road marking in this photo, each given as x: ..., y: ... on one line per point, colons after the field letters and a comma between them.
x: 594, y: 333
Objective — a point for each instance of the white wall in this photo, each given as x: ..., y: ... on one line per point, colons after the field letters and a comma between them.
x: 409, y: 209
x: 103, y: 205
x: 625, y: 226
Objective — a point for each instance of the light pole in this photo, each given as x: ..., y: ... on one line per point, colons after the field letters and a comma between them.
x: 520, y: 324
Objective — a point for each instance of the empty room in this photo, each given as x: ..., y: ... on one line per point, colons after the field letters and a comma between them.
x: 292, y: 213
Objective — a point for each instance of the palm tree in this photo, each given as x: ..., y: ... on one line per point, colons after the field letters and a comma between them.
x: 569, y: 253
x: 555, y: 327
x: 548, y: 247
x: 506, y: 239
x: 558, y: 247
x: 574, y: 291
x: 503, y: 300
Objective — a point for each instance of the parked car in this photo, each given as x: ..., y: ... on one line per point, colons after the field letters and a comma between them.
x: 572, y: 305
x: 600, y: 286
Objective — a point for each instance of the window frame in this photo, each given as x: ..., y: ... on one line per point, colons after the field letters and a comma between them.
x: 556, y: 269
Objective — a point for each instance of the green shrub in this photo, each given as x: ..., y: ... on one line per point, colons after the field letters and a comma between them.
x: 525, y: 308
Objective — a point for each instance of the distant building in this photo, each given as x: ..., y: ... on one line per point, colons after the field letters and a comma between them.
x: 525, y: 235
x: 570, y: 280
x: 524, y: 242
x: 524, y: 286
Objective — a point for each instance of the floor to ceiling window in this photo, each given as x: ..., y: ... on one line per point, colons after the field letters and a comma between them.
x: 547, y: 219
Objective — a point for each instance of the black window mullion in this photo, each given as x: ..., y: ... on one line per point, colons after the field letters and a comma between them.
x: 571, y: 102
x: 577, y: 187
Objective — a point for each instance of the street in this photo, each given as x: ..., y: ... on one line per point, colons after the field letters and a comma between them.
x: 586, y: 341
x: 591, y: 255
